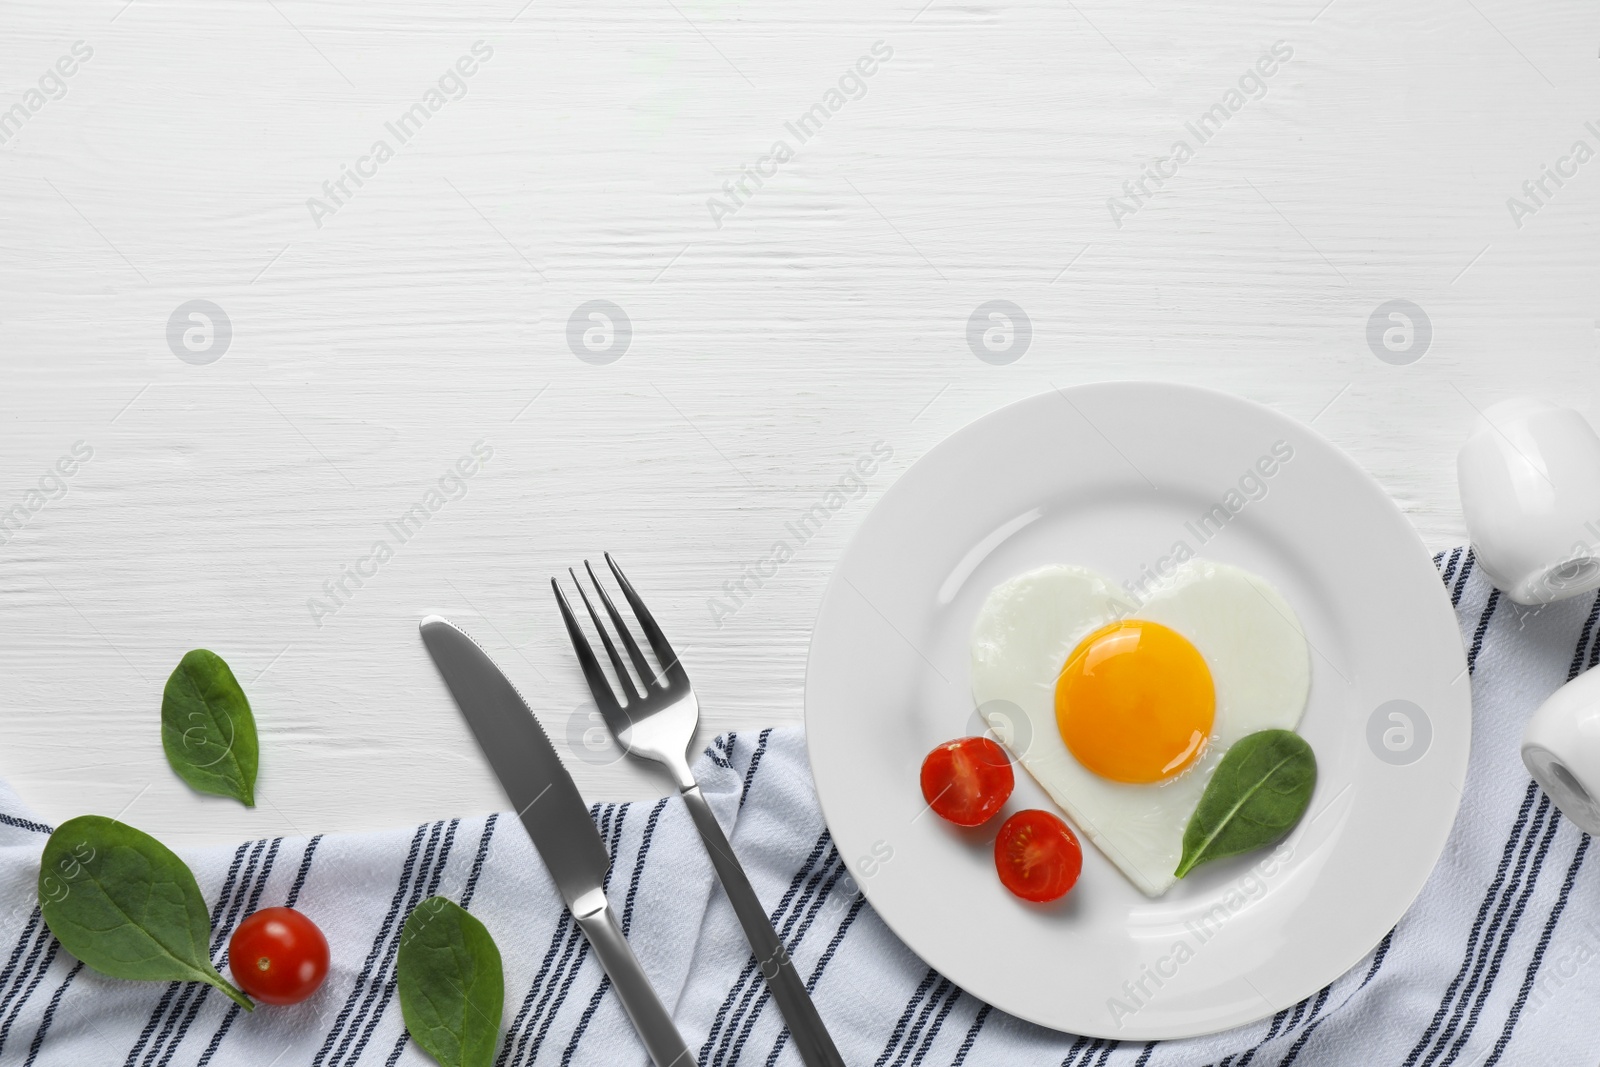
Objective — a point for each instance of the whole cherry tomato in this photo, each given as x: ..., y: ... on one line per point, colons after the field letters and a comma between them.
x: 1037, y: 855
x: 278, y: 956
x: 967, y: 780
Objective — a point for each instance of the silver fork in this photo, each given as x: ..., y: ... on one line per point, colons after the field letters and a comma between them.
x: 658, y: 722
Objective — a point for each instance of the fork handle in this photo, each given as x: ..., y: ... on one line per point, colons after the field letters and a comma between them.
x: 810, y: 1036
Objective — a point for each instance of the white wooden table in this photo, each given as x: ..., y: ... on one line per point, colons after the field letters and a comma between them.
x: 777, y: 332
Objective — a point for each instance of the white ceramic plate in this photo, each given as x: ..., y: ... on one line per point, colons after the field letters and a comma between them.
x: 1113, y: 476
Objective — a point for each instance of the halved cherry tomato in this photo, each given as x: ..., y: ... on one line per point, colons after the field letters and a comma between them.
x: 1037, y: 855
x: 967, y: 780
x: 278, y: 956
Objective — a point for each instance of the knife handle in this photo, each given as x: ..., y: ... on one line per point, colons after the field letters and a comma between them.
x: 650, y: 1019
x: 811, y: 1038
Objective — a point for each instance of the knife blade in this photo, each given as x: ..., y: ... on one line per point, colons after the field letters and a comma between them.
x: 541, y: 791
x: 552, y: 811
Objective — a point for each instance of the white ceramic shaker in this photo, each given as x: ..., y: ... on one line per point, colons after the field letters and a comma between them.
x: 1530, y: 492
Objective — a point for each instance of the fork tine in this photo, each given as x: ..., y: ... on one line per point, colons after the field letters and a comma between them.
x: 646, y: 672
x: 605, y: 639
x: 598, y: 686
x: 658, y: 640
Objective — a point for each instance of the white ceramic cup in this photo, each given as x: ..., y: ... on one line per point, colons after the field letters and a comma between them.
x: 1530, y: 492
x: 1561, y: 748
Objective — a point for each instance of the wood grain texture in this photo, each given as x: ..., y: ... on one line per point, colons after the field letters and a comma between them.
x: 829, y: 311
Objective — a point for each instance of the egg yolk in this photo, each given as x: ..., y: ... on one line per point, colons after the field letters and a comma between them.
x: 1135, y: 702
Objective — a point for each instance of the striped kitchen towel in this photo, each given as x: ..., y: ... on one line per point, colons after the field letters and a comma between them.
x: 1492, y: 965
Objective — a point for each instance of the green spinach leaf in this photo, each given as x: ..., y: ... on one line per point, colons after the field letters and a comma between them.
x: 207, y: 729
x: 124, y: 904
x: 452, y: 989
x: 1256, y: 795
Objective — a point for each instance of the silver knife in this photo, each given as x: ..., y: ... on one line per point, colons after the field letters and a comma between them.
x: 556, y: 818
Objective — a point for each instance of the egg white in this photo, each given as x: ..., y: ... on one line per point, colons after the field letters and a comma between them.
x: 1249, y: 636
